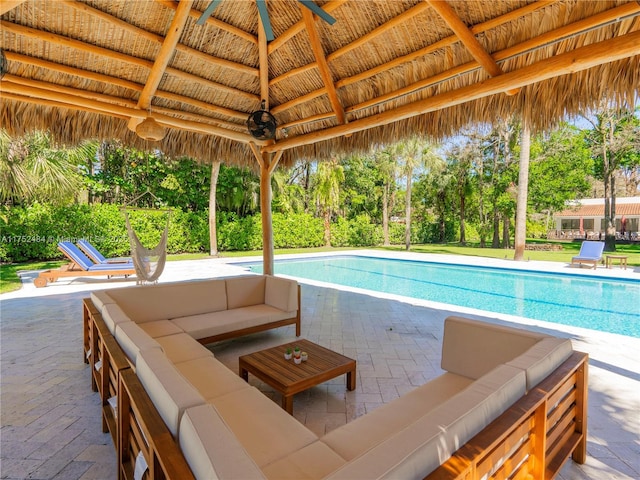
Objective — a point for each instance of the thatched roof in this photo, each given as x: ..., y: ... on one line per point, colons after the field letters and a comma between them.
x: 384, y: 70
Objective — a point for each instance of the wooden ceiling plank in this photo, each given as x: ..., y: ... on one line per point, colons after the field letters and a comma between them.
x: 467, y: 38
x: 52, y: 103
x: 296, y: 28
x: 7, y: 5
x: 563, y: 64
x: 73, y: 102
x: 214, y: 22
x: 313, y: 118
x: 323, y: 66
x: 382, y: 29
x: 445, y: 42
x: 167, y: 50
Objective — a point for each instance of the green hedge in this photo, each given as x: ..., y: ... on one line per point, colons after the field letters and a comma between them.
x: 32, y: 233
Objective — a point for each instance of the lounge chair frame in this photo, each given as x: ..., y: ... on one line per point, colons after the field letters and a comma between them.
x: 588, y: 257
x: 75, y: 269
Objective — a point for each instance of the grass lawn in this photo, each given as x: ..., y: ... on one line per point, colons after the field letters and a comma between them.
x: 9, y: 280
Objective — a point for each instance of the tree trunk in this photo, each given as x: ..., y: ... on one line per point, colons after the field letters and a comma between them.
x: 495, y: 242
x: 463, y: 239
x: 327, y: 228
x: 523, y: 188
x: 407, y: 211
x: 213, y: 229
x: 506, y: 234
x: 385, y: 214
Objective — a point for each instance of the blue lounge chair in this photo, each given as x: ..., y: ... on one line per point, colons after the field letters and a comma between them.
x: 94, y: 254
x: 590, y: 253
x: 81, y: 266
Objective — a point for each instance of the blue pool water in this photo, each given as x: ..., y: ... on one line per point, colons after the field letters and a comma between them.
x: 591, y: 302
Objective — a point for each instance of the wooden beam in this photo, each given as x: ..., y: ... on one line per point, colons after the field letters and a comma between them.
x: 293, y: 72
x: 263, y: 59
x: 159, y: 39
x: 445, y: 42
x: 570, y: 62
x: 382, y: 29
x: 323, y: 66
x: 299, y: 100
x: 296, y: 28
x: 7, y: 5
x: 214, y: 22
x: 165, y: 54
x: 467, y: 38
x: 109, y: 80
x: 110, y: 109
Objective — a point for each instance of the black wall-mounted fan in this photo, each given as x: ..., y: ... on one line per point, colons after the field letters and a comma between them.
x: 261, y: 124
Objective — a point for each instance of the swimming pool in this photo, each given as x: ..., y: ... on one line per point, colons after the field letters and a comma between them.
x: 604, y: 304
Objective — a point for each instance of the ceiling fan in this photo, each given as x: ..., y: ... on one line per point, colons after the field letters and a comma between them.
x: 264, y: 15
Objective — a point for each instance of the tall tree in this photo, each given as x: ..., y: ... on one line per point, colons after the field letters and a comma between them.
x: 326, y: 192
x: 387, y: 169
x: 213, y: 228
x: 415, y: 153
x: 614, y: 139
x: 523, y: 183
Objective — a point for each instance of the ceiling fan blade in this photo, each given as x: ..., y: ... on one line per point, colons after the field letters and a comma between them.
x: 264, y: 17
x: 208, y: 11
x: 318, y: 11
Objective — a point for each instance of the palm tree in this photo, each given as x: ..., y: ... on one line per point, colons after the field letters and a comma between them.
x: 416, y: 152
x: 213, y: 227
x: 329, y: 176
x: 33, y: 169
x: 388, y: 172
x: 523, y: 183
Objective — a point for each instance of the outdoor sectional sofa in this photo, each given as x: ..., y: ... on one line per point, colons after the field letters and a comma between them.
x: 510, y: 400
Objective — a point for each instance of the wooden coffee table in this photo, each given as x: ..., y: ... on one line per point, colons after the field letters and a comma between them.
x: 288, y: 378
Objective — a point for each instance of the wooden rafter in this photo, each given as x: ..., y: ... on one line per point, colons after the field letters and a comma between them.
x: 214, y: 22
x: 605, y: 17
x: 76, y: 103
x: 165, y: 54
x: 570, y: 62
x: 263, y: 59
x: 7, y: 5
x: 467, y: 38
x: 323, y: 66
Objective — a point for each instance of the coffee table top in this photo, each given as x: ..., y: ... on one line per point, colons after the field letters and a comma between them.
x: 287, y: 377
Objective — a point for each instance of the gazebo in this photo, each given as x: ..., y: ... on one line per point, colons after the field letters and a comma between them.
x: 317, y: 78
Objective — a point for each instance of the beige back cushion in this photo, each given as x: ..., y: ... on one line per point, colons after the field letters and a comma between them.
x: 113, y: 315
x: 169, y: 391
x: 132, y: 339
x: 542, y: 359
x: 472, y: 347
x: 148, y: 303
x: 211, y: 449
x: 281, y: 293
x: 101, y: 298
x: 244, y: 291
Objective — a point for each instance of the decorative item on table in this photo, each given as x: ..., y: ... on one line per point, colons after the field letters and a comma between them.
x: 297, y: 358
x: 304, y: 356
x: 288, y: 354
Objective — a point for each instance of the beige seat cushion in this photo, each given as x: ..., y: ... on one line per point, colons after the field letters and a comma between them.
x: 216, y: 323
x: 113, y: 315
x: 314, y: 461
x: 244, y: 291
x: 181, y: 348
x: 365, y: 432
x: 132, y: 339
x: 211, y: 449
x: 264, y: 429
x: 429, y: 441
x: 472, y: 348
x: 147, y: 303
x: 542, y: 359
x: 169, y: 391
x: 210, y: 377
x: 160, y: 328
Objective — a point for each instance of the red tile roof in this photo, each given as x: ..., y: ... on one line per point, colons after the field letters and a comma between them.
x: 629, y: 209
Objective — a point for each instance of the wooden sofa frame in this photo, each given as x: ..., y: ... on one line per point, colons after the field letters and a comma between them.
x: 532, y: 439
